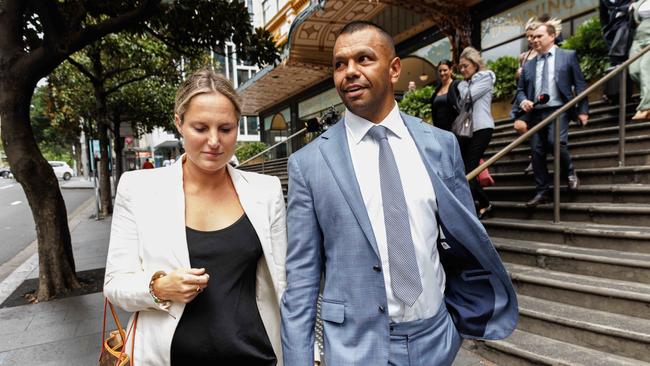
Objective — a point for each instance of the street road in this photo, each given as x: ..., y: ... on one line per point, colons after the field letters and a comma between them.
x: 17, y: 229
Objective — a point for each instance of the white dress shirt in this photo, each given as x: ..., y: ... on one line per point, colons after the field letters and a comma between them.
x: 420, y: 199
x: 554, y: 95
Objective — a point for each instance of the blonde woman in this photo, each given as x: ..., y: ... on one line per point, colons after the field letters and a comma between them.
x: 478, y: 83
x: 198, y: 248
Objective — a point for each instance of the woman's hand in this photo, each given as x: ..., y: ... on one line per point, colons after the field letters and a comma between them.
x: 181, y: 285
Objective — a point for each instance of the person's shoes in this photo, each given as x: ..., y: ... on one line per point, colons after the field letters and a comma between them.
x: 539, y: 199
x: 484, y: 212
x: 529, y: 168
x: 573, y: 182
x: 641, y: 116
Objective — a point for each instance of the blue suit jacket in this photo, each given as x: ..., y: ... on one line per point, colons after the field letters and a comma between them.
x: 330, y: 236
x: 567, y: 77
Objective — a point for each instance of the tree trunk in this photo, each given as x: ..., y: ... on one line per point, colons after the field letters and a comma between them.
x: 31, y: 170
x: 104, y: 172
x: 77, y: 158
x: 118, y: 147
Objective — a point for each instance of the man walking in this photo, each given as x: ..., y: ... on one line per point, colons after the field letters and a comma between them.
x: 380, y: 210
x: 554, y: 72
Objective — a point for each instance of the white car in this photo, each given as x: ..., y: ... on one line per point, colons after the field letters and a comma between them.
x: 61, y: 169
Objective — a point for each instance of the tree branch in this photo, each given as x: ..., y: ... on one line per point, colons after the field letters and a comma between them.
x: 11, y: 15
x: 127, y: 82
x: 82, y: 69
x: 51, y: 18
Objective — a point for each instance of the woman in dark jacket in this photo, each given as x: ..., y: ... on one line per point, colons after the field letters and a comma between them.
x: 445, y: 95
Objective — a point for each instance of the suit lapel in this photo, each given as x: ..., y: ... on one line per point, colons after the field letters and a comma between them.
x: 253, y: 206
x: 336, y: 153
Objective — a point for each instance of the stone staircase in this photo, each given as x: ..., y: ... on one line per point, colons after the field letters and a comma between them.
x: 583, y: 284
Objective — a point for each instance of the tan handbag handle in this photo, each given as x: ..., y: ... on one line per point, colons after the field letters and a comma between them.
x: 120, y: 329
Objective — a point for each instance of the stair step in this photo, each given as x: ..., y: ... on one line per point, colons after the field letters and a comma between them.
x: 608, y: 175
x: 587, y: 134
x: 614, y: 193
x: 623, y: 335
x: 605, y: 119
x: 580, y: 161
x: 604, y: 144
x: 597, y: 236
x: 604, y: 294
x: 524, y: 348
x: 635, y: 214
x: 604, y: 263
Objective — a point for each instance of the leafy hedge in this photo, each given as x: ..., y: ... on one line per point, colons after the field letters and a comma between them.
x: 249, y: 149
x: 504, y: 68
x: 589, y: 44
x: 418, y: 103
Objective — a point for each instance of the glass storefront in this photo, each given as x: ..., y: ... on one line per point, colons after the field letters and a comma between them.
x: 503, y: 34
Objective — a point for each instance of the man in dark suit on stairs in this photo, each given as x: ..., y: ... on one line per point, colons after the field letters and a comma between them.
x: 555, y: 72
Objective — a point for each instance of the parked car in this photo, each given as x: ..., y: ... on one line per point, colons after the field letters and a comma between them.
x: 61, y: 169
x: 5, y: 172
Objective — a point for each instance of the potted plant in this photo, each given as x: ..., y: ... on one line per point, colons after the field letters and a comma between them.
x: 505, y: 86
x: 589, y: 44
x: 418, y: 103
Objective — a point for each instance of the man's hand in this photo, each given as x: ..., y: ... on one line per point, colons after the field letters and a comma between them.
x: 583, y: 118
x: 527, y: 105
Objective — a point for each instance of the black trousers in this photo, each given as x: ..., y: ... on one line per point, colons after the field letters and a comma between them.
x: 472, y: 150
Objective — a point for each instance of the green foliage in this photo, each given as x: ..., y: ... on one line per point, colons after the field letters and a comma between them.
x: 55, y: 133
x: 591, y: 48
x: 418, y: 103
x: 504, y: 68
x: 249, y: 149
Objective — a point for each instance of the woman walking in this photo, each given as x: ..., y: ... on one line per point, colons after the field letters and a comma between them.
x: 478, y: 84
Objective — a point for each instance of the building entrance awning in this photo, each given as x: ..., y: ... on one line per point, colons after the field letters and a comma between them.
x: 308, y: 54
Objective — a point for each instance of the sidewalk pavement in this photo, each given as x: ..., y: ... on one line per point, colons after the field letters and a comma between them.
x: 68, y: 331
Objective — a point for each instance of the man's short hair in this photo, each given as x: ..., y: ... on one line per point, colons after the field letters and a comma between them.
x: 550, y: 28
x: 359, y: 25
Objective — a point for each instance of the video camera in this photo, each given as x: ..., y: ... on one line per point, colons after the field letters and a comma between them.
x: 327, y: 119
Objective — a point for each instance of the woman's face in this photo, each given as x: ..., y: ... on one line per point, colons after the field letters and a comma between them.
x: 209, y: 130
x: 529, y: 37
x: 467, y: 68
x: 445, y: 73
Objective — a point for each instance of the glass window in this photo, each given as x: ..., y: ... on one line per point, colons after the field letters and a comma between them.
x: 242, y: 76
x: 510, y: 23
x: 512, y: 48
x: 253, y: 125
x: 265, y: 11
x: 242, y: 126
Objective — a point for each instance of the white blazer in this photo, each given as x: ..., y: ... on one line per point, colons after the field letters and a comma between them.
x: 148, y: 235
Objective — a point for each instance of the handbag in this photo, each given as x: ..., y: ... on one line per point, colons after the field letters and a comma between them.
x: 484, y: 177
x: 463, y: 125
x: 113, y: 351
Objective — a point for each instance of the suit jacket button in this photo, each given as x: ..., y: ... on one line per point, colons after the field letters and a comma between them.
x: 382, y: 309
x: 376, y: 268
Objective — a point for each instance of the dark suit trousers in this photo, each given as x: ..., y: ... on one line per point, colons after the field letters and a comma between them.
x: 472, y: 150
x: 542, y: 143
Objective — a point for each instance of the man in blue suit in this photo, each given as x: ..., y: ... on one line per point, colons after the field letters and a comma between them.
x: 555, y: 72
x: 380, y: 217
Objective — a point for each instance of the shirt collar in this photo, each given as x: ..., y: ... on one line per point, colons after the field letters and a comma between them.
x: 359, y: 126
x: 551, y: 52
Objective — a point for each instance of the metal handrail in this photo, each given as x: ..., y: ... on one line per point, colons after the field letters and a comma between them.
x: 273, y: 147
x: 556, y: 116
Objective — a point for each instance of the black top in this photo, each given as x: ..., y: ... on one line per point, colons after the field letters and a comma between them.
x: 222, y: 325
x: 442, y: 113
x: 443, y: 107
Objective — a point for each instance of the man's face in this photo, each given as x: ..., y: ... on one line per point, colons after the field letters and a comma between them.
x: 542, y: 41
x: 365, y: 69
